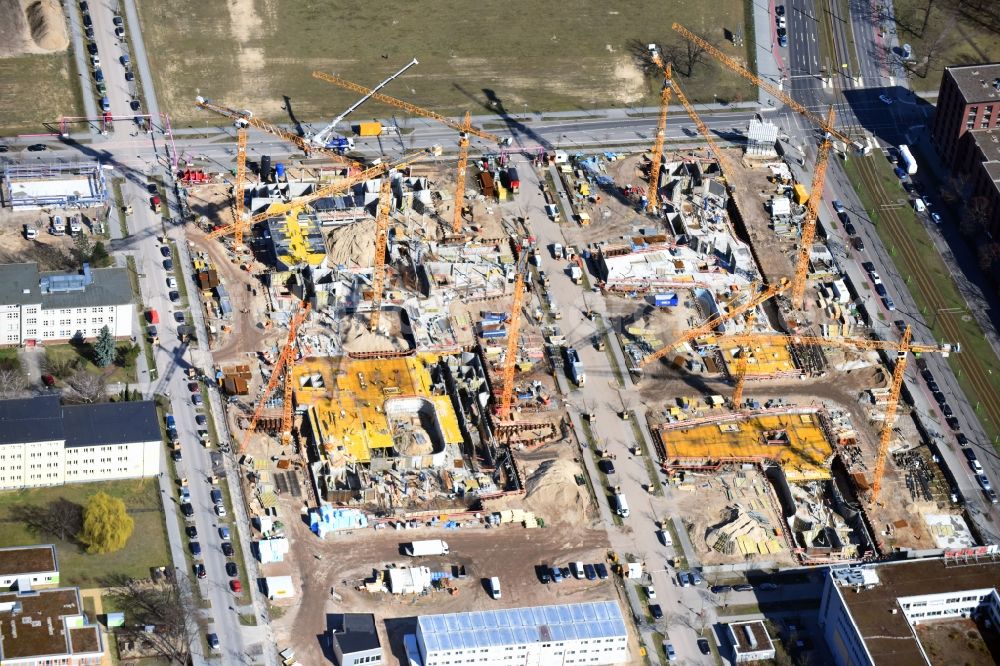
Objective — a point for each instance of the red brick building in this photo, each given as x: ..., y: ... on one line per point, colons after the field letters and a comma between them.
x: 969, y: 99
x: 966, y: 132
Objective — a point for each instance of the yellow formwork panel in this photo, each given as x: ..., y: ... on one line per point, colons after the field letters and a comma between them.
x: 348, y: 396
x: 763, y: 359
x: 804, y: 453
x: 296, y: 229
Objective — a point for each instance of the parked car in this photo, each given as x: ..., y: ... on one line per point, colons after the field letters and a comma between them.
x: 589, y: 571
x: 191, y: 531
x: 37, y: 147
x: 168, y: 264
x: 92, y: 48
x: 704, y: 646
x: 578, y: 570
x: 129, y: 76
x: 606, y: 466
x: 543, y: 574
x: 962, y: 439
x: 187, y: 510
x: 721, y: 589
x: 199, y: 570
x: 124, y: 59
x: 556, y: 574
x: 743, y: 587
x: 201, y: 419
x: 602, y: 571
x: 196, y: 399
x: 656, y: 611
x: 195, y: 548
x: 890, y: 305
x: 984, y: 482
x: 683, y: 579
x: 671, y: 653
x: 174, y: 296
x: 235, y: 586
x: 213, y: 641
x: 936, y: 218
x: 858, y: 243
x: 224, y: 532
x: 850, y: 229
x: 227, y: 549
x: 232, y: 570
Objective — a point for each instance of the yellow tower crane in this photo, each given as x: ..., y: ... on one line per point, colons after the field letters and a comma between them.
x: 741, y: 365
x: 465, y: 128
x: 902, y: 348
x: 381, y: 240
x: 712, y: 322
x: 238, y: 194
x: 734, y: 66
x: 338, y: 187
x: 809, y: 223
x: 282, y: 367
x: 513, y: 331
x: 695, y: 118
x: 656, y: 159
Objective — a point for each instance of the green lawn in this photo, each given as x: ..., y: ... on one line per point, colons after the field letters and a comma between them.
x: 952, y: 36
x: 37, y: 89
x: 147, y: 548
x: 516, y: 56
x: 977, y: 367
x: 62, y: 354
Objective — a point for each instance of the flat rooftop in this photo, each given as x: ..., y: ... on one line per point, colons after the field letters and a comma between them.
x: 23, y: 560
x: 34, y: 624
x: 795, y: 439
x: 762, y: 360
x: 755, y: 627
x: 889, y: 636
x: 976, y: 82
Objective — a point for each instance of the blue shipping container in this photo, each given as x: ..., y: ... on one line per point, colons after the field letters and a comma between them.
x: 665, y: 300
x: 279, y: 170
x: 495, y: 333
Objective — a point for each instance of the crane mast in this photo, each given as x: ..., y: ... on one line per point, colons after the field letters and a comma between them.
x: 282, y: 366
x: 885, y: 437
x: 321, y: 137
x: 463, y: 163
x: 381, y: 240
x: 656, y: 158
x: 510, y: 360
x: 238, y: 196
x: 809, y: 223
x: 741, y: 366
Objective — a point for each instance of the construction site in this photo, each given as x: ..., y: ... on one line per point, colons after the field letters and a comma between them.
x: 394, y: 355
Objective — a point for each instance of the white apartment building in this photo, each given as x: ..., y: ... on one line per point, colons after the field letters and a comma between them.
x: 592, y: 633
x: 44, y: 443
x: 868, y: 613
x: 54, y: 307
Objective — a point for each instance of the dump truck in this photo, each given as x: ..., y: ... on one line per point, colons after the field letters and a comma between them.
x: 368, y: 129
x: 801, y: 194
x: 575, y: 367
x: 426, y: 547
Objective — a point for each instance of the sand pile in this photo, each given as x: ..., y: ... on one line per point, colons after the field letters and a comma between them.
x: 357, y: 338
x: 552, y: 492
x: 352, y: 244
x: 47, y: 25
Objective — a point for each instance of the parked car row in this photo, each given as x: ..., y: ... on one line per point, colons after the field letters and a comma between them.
x: 578, y: 570
x: 95, y: 58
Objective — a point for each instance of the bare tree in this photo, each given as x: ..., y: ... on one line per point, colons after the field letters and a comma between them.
x: 927, y: 16
x: 60, y: 518
x: 686, y: 55
x: 84, y: 387
x: 975, y: 216
x: 13, y: 383
x: 163, y: 607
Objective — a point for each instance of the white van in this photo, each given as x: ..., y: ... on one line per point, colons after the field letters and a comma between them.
x: 30, y: 233
x: 495, y: 587
x: 621, y: 505
x: 919, y: 205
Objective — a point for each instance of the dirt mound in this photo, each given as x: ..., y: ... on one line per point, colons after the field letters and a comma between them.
x: 47, y: 25
x: 552, y: 492
x: 351, y: 245
x: 357, y: 337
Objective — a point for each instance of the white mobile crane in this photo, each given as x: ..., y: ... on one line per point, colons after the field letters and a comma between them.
x: 326, y: 136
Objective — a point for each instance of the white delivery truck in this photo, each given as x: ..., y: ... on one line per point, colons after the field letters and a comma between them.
x: 495, y: 587
x: 426, y: 547
x: 621, y: 505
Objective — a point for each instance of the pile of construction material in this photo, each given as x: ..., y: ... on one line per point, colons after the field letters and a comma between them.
x: 745, y: 532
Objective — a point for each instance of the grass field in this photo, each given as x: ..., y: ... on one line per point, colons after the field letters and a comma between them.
x: 147, y: 547
x: 37, y: 89
x: 977, y: 367
x: 112, y: 374
x: 527, y: 56
x: 954, y: 37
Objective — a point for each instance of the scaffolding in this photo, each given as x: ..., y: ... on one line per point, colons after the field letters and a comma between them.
x: 37, y: 186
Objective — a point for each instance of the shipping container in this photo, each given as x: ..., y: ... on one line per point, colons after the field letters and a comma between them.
x: 486, y: 181
x: 801, y: 194
x: 665, y: 300
x: 368, y: 129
